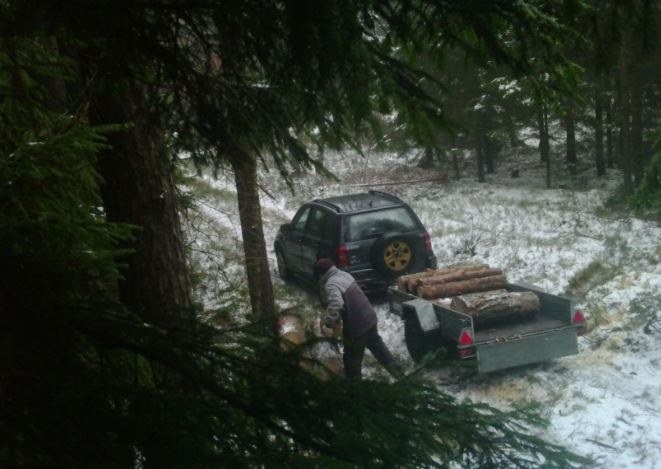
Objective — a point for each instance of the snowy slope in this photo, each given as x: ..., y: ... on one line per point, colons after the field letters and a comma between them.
x: 604, y: 402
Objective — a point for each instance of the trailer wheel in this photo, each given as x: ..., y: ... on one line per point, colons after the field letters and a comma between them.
x: 418, y: 342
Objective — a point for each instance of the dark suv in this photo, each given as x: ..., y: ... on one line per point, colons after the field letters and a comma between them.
x: 374, y: 236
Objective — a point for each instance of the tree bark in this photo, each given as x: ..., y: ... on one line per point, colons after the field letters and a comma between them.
x: 570, y: 130
x: 637, y: 86
x: 599, y: 128
x: 625, y: 108
x: 254, y: 246
x: 456, y: 276
x: 489, y: 147
x: 610, y: 160
x: 138, y: 189
x: 489, y: 307
x: 460, y: 288
x: 427, y: 160
x: 408, y: 282
x: 479, y: 148
x: 544, y: 146
x: 455, y: 165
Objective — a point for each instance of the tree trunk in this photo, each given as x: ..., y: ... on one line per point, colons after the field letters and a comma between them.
x: 460, y: 288
x: 479, y: 148
x: 138, y: 189
x: 610, y: 160
x: 599, y: 129
x: 570, y: 130
x: 497, y: 306
x: 254, y: 246
x: 489, y: 147
x: 427, y: 160
x: 544, y: 145
x: 637, y: 85
x: 455, y: 165
x: 625, y: 110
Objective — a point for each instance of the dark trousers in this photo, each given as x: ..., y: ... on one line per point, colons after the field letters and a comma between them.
x: 354, y: 350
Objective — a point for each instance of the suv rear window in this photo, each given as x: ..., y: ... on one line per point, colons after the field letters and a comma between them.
x: 372, y: 224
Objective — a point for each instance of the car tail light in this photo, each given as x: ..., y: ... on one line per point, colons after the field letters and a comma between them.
x: 579, y: 320
x: 465, y: 341
x: 341, y: 257
x: 427, y: 242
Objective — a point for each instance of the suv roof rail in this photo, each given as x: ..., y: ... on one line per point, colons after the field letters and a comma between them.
x: 385, y: 194
x: 327, y: 204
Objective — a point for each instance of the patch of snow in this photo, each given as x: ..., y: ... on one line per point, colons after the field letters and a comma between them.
x: 604, y: 402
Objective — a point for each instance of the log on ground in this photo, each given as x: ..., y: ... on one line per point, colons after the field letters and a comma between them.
x: 497, y: 306
x: 445, y: 290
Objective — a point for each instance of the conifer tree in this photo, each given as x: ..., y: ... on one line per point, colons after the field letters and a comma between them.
x: 87, y: 379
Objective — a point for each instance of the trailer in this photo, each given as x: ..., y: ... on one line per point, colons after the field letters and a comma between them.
x: 551, y: 333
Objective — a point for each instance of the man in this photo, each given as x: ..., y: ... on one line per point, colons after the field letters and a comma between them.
x: 347, y: 304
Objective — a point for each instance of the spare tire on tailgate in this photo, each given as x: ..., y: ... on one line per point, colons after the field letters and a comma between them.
x: 393, y: 255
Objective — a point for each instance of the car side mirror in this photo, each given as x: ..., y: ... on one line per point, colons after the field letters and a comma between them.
x: 285, y: 228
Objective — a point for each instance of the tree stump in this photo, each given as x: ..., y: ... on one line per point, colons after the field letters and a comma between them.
x: 497, y: 306
x: 462, y: 287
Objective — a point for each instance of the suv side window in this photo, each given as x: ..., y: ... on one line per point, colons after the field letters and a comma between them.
x: 298, y: 224
x: 321, y: 226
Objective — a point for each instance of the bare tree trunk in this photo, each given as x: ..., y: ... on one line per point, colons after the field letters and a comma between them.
x: 489, y: 147
x: 599, y: 128
x: 479, y: 148
x: 570, y: 130
x: 625, y: 109
x: 427, y: 160
x: 138, y: 189
x: 637, y: 85
x: 254, y: 245
x: 610, y: 160
x: 455, y: 165
x: 544, y: 145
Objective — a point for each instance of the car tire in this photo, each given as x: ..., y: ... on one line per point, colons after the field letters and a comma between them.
x: 393, y: 255
x: 283, y: 270
x: 418, y: 342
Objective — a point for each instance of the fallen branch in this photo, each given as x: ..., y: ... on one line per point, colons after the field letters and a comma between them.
x: 439, y: 178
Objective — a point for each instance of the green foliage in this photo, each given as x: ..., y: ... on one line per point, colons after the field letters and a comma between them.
x: 648, y: 194
x: 86, y: 383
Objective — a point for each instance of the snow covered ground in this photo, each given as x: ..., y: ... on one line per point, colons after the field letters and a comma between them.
x: 604, y: 402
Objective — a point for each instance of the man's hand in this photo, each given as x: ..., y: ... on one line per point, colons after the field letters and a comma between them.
x: 329, y: 331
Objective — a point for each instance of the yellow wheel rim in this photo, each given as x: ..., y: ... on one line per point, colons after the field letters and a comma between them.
x: 397, y: 256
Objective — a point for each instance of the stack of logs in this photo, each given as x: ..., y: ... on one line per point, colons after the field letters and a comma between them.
x: 477, y: 290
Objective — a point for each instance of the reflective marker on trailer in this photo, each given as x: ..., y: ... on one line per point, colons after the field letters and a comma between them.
x: 579, y: 319
x: 465, y: 339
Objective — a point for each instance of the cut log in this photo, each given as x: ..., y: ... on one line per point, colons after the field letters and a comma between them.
x: 497, y: 306
x: 319, y: 358
x: 403, y: 281
x: 291, y: 330
x: 407, y: 282
x: 460, y: 288
x: 457, y: 276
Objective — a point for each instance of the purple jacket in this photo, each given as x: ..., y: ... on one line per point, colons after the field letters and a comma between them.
x: 346, y: 300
